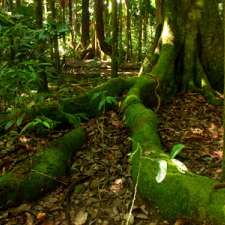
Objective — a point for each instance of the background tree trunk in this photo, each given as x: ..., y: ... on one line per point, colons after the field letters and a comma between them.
x: 85, y: 38
x: 115, y: 55
x: 128, y: 32
x: 99, y: 8
x: 55, y: 43
x: 43, y: 81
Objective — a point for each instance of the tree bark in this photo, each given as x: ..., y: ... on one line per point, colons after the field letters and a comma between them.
x: 85, y: 20
x: 115, y: 29
x: 99, y: 8
x: 128, y: 32
x: 189, y: 36
x: 70, y: 5
x: 223, y: 165
x: 55, y: 43
x: 43, y: 81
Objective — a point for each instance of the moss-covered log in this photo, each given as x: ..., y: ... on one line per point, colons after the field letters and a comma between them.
x: 29, y: 179
x: 180, y: 194
x: 42, y: 172
x: 87, y: 103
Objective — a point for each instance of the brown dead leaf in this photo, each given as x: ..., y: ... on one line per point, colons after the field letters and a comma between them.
x: 41, y: 216
x: 117, y: 185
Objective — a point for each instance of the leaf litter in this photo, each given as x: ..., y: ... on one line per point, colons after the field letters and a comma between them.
x: 99, y: 189
x: 191, y: 121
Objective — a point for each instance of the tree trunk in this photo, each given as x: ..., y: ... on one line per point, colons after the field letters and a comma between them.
x: 191, y: 39
x: 18, y: 3
x: 55, y: 43
x: 190, y: 50
x: 115, y: 27
x: 42, y: 76
x: 128, y: 32
x: 70, y: 5
x: 223, y: 176
x: 85, y: 38
x: 99, y: 8
x: 140, y: 30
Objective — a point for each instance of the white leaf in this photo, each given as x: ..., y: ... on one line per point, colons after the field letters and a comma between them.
x: 161, y: 175
x: 180, y: 166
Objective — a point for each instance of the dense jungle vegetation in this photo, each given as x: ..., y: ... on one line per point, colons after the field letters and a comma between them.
x: 111, y: 112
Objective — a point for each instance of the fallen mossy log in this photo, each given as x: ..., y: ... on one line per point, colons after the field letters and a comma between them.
x: 180, y: 194
x: 87, y: 103
x: 62, y: 111
x: 29, y: 179
x: 33, y: 177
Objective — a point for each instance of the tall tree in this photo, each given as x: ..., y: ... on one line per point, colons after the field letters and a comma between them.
x: 55, y: 43
x: 128, y: 32
x: 115, y: 56
x: 140, y: 29
x: 223, y: 175
x: 71, y: 22
x: 99, y: 8
x: 18, y: 3
x: 85, y: 36
x: 43, y: 82
x: 121, y: 52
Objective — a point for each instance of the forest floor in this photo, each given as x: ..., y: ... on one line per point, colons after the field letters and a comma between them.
x: 99, y: 189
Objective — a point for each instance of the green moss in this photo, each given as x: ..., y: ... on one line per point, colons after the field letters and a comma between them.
x: 42, y: 172
x: 9, y: 187
x: 89, y: 105
x: 178, y: 195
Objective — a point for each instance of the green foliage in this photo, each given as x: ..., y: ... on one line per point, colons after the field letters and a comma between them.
x: 162, y: 169
x: 162, y: 163
x: 103, y: 100
x: 15, y: 81
x: 9, y: 120
x: 75, y: 119
x: 20, y: 62
x: 15, y: 121
x: 176, y: 149
x: 5, y: 20
x: 39, y: 123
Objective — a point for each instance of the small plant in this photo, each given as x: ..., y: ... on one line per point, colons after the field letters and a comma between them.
x: 176, y: 149
x: 75, y: 119
x: 103, y: 100
x: 16, y: 121
x: 39, y: 123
